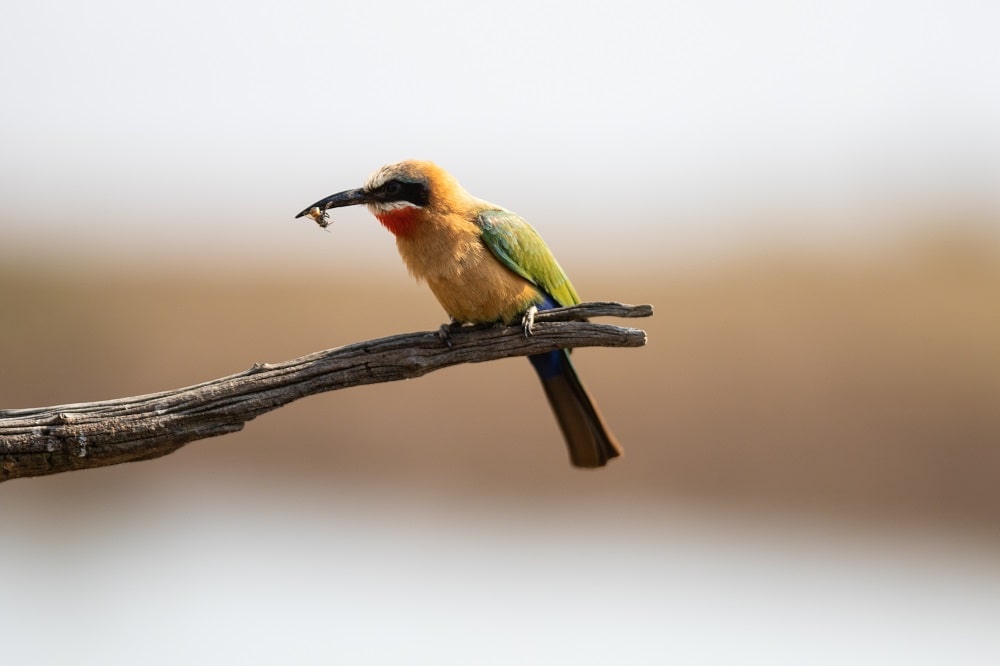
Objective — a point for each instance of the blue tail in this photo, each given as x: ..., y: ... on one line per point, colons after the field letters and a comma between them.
x: 590, y: 442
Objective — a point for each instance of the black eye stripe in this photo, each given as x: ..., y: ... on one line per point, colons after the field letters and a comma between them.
x: 400, y: 190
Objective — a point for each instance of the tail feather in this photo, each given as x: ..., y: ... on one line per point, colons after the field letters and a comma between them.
x: 590, y: 442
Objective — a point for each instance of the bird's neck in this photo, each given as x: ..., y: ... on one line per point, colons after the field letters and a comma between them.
x: 400, y: 221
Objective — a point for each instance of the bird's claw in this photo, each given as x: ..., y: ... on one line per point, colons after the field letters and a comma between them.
x: 445, y: 334
x: 528, y: 320
x: 446, y: 330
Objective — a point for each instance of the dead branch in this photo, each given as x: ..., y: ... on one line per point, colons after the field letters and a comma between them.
x: 49, y: 440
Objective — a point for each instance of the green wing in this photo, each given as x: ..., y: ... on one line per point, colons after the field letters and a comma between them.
x: 522, y: 250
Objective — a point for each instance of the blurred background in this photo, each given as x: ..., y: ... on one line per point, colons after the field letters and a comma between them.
x: 808, y: 194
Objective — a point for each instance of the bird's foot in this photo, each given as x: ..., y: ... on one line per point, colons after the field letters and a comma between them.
x: 446, y: 330
x: 528, y: 320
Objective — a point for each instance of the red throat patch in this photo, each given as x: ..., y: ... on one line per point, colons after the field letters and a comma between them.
x: 399, y: 221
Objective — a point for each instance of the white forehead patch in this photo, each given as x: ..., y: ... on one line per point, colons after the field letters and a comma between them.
x: 380, y: 177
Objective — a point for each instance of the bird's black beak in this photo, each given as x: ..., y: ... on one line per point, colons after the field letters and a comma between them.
x: 339, y: 200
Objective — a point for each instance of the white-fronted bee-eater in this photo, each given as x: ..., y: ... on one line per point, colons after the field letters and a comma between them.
x: 484, y: 264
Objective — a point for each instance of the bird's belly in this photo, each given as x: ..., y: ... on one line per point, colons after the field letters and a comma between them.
x: 487, y: 296
x: 469, y: 282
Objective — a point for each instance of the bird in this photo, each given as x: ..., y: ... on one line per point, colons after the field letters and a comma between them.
x: 484, y: 264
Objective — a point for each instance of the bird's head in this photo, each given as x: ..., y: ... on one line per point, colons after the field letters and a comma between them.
x: 400, y: 194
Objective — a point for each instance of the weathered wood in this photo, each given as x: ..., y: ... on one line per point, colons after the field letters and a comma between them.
x: 49, y: 440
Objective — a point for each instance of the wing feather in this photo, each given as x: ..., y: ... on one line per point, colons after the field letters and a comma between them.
x: 519, y: 247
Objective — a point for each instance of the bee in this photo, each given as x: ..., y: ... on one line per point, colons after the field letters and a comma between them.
x: 320, y: 216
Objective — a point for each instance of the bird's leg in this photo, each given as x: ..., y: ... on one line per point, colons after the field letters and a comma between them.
x: 446, y: 330
x: 528, y: 320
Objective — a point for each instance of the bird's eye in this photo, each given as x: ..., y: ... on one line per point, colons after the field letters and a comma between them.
x: 393, y: 187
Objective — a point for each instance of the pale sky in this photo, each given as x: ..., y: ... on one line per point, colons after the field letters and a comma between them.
x: 207, y: 125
